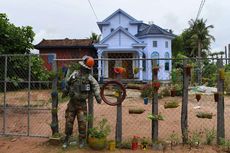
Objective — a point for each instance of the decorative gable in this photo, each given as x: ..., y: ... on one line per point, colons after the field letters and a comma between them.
x: 120, y: 38
x: 117, y: 19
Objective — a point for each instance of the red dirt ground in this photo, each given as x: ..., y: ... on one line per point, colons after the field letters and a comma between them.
x: 133, y: 124
x: 41, y: 145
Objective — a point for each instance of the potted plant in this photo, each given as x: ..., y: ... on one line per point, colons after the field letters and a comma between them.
x: 147, y: 92
x: 144, y: 143
x: 198, y: 97
x: 97, y: 135
x: 136, y: 110
x: 172, y: 104
x: 173, y: 91
x: 155, y: 117
x: 156, y: 86
x: 204, y: 115
x: 188, y: 68
x: 119, y: 70
x: 135, y: 70
x: 222, y: 73
x: 155, y: 70
x: 216, y: 96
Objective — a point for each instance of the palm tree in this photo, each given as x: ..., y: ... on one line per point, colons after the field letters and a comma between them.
x: 200, y: 40
x: 95, y: 37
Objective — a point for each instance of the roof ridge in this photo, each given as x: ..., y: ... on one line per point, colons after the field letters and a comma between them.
x: 161, y: 29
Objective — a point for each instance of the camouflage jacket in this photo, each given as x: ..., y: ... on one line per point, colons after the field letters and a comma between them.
x: 80, y: 85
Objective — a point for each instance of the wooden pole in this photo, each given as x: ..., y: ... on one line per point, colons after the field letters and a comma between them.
x: 184, y: 108
x: 90, y: 109
x: 154, y: 106
x: 220, y: 103
x: 118, y: 134
x: 54, y: 95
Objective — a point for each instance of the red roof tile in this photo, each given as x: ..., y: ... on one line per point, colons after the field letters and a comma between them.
x: 58, y: 43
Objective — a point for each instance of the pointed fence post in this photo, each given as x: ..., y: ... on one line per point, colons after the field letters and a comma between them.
x: 220, y: 103
x: 184, y: 108
x: 54, y: 95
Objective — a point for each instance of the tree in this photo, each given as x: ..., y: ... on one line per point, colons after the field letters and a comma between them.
x: 177, y: 46
x: 95, y: 37
x: 187, y: 42
x: 14, y: 40
x: 18, y: 40
x: 201, y: 39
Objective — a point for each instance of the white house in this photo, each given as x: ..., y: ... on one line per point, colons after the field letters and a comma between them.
x: 125, y: 37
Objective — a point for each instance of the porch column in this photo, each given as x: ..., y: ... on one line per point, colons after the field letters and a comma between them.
x: 140, y: 67
x: 99, y: 66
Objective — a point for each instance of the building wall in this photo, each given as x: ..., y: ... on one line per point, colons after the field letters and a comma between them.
x: 120, y: 40
x: 65, y: 54
x: 161, y: 49
x: 117, y: 21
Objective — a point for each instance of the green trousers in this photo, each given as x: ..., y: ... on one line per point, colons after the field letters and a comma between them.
x: 77, y: 108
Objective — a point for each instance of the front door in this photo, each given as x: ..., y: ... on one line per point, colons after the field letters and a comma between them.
x: 127, y: 64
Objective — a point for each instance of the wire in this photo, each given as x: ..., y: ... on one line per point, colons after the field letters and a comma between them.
x: 93, y: 10
x: 200, y: 9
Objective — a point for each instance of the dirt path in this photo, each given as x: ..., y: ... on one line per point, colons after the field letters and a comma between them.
x: 41, y: 145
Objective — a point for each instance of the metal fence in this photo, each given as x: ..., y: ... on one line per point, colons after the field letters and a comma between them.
x: 25, y: 95
x: 26, y: 103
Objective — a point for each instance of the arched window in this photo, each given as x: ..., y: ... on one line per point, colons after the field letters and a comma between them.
x: 167, y: 61
x: 155, y: 55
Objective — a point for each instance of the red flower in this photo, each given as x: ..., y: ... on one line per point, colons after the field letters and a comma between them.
x: 156, y: 84
x: 119, y: 70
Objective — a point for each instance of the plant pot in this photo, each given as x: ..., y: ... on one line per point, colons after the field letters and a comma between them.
x: 221, y: 73
x: 198, y: 97
x: 155, y: 70
x: 171, y: 105
x: 97, y: 143
x: 188, y: 70
x: 173, y: 93
x: 136, y: 111
x: 216, y: 96
x: 146, y: 100
x: 112, y: 145
x: 144, y: 146
x: 204, y: 115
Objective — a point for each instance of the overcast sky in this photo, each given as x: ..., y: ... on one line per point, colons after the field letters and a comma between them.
x: 58, y: 19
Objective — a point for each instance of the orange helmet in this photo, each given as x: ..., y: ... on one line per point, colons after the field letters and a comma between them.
x: 87, y: 62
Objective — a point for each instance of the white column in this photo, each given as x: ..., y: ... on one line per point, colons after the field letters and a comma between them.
x: 99, y: 66
x: 140, y: 67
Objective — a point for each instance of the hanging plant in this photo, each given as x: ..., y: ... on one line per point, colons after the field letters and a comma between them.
x: 216, y: 96
x: 172, y: 104
x: 198, y: 97
x: 155, y: 70
x: 119, y: 70
x: 204, y: 115
x: 188, y: 68
x: 155, y: 117
x: 156, y: 85
x: 135, y: 70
